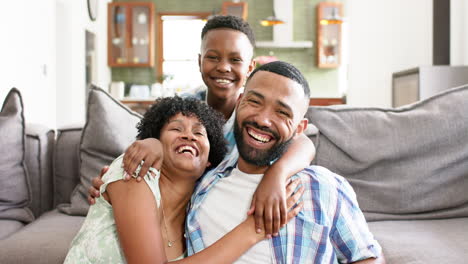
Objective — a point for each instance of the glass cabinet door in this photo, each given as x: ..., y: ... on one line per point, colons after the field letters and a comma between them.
x: 118, y: 52
x: 139, y: 35
x: 130, y: 33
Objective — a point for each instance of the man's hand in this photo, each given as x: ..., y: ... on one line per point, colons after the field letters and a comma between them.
x: 269, y: 204
x: 93, y: 191
x: 149, y: 151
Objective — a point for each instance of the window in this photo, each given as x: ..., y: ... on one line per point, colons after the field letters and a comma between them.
x: 180, y: 45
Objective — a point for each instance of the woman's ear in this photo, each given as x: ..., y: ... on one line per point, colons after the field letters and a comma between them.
x: 208, y: 164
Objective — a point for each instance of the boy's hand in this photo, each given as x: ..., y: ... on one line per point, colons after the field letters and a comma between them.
x: 147, y: 150
x: 270, y: 206
x: 93, y: 191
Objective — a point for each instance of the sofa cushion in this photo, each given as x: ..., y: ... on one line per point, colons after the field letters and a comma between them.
x: 15, y: 191
x: 423, y: 241
x: 110, y: 128
x: 66, y: 163
x: 40, y: 141
x: 9, y: 227
x: 404, y: 163
x: 46, y: 240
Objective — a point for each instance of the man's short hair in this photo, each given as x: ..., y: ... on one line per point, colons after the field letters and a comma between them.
x: 165, y: 108
x: 287, y: 70
x: 230, y: 22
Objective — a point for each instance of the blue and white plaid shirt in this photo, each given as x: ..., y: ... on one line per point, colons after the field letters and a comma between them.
x: 329, y: 229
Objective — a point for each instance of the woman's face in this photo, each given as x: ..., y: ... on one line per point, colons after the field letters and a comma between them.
x: 185, y: 145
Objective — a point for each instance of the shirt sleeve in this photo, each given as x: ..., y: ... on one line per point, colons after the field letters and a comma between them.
x: 228, y: 131
x: 350, y: 233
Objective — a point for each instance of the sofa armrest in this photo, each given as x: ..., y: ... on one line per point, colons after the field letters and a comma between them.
x: 38, y: 156
x: 66, y: 163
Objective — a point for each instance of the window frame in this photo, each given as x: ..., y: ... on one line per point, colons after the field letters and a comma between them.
x: 160, y: 41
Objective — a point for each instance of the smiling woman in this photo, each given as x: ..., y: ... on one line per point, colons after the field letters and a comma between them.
x: 191, y: 135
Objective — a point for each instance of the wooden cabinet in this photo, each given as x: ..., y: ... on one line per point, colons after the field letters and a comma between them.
x: 130, y: 34
x: 329, y: 20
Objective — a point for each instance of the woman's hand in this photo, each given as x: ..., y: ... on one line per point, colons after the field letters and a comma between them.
x: 272, y: 209
x: 93, y: 191
x: 147, y: 150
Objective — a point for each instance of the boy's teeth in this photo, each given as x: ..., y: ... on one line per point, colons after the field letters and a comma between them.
x: 222, y: 81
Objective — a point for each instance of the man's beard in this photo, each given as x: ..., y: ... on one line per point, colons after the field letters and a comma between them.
x: 259, y: 157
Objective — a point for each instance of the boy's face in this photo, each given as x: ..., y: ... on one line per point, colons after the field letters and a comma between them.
x: 225, y: 61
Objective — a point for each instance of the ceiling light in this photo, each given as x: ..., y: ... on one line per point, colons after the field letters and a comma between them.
x: 334, y: 18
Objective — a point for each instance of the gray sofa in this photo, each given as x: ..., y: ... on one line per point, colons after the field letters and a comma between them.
x: 408, y: 166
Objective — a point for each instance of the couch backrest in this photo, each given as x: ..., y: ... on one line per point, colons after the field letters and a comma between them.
x: 66, y: 163
x: 404, y: 163
x: 40, y: 142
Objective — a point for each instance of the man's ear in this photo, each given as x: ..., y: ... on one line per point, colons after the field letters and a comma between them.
x: 302, y: 126
x: 208, y: 164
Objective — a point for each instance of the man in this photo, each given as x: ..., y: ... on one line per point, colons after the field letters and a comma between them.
x: 330, y: 228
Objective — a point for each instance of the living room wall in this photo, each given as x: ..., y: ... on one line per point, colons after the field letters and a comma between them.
x: 44, y: 57
x: 384, y: 38
x: 324, y: 82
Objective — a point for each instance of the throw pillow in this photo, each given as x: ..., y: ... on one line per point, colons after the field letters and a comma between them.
x: 110, y: 128
x: 404, y: 163
x: 15, y: 191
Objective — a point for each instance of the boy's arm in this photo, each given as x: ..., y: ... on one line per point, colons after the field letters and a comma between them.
x: 269, y: 201
x: 232, y: 245
x: 147, y: 150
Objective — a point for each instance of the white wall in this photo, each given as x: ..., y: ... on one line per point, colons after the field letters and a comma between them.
x: 43, y: 55
x: 385, y: 37
x: 72, y: 21
x: 458, y: 32
x: 28, y: 57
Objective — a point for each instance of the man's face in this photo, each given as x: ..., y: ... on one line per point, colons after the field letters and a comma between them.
x: 269, y: 114
x: 225, y: 61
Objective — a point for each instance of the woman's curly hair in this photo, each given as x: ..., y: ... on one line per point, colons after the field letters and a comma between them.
x: 163, y: 109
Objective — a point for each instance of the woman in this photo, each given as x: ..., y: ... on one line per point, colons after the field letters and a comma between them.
x: 144, y: 223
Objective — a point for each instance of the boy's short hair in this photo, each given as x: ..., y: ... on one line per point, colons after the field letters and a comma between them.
x: 165, y: 108
x: 231, y: 22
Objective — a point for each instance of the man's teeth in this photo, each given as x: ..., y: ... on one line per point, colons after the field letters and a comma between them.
x: 223, y: 81
x: 258, y: 137
x: 188, y: 148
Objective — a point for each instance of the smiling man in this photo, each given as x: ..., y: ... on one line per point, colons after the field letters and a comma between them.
x: 330, y: 228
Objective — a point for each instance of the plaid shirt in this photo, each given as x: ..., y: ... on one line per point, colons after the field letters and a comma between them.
x: 329, y: 229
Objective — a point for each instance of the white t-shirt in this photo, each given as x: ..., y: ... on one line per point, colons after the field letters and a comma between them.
x: 225, y: 207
